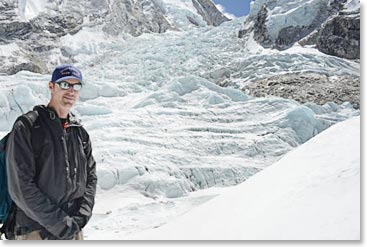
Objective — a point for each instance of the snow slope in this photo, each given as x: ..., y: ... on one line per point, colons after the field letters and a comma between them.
x: 312, y: 193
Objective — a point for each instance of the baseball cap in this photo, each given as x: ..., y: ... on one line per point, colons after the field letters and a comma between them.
x: 66, y: 71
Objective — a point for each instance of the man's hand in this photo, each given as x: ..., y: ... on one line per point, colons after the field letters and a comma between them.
x: 80, y: 220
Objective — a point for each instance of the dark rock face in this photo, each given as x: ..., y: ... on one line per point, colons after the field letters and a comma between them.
x: 7, y: 10
x: 288, y: 36
x: 332, y: 31
x: 209, y: 12
x: 309, y: 87
x: 25, y: 66
x: 10, y: 31
x: 68, y: 23
x: 261, y: 34
x: 10, y: 27
x: 340, y: 37
x: 35, y: 38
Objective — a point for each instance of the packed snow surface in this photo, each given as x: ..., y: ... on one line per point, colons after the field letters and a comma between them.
x: 312, y: 193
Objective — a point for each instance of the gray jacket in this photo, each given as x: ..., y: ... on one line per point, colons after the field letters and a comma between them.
x: 51, y: 175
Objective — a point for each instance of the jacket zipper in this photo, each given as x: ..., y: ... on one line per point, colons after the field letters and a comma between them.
x: 73, y: 179
x: 68, y: 177
x: 69, y: 181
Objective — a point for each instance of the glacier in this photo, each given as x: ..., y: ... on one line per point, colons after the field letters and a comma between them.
x: 167, y: 136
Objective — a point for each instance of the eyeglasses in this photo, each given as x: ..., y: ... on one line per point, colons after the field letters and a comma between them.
x: 66, y: 85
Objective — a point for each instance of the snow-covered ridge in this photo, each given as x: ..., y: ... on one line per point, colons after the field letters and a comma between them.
x: 283, y: 13
x: 312, y: 193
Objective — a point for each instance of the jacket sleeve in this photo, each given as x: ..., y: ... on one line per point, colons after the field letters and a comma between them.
x: 87, y: 201
x: 21, y: 171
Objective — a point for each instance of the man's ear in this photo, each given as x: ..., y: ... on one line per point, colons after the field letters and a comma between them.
x: 50, y: 85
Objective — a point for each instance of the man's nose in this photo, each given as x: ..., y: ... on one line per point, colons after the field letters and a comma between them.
x: 71, y: 89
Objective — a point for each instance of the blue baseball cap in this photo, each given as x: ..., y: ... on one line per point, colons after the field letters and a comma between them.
x: 66, y: 71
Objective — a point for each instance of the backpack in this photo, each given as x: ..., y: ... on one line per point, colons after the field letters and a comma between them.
x: 7, y: 207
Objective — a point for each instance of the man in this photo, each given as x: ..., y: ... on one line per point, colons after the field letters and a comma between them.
x: 51, y: 170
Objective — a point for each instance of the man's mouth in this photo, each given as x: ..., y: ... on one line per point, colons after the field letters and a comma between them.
x: 69, y: 97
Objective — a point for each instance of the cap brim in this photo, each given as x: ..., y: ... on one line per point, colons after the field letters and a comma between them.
x: 68, y: 77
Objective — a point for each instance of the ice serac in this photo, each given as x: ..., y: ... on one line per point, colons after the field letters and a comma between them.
x: 210, y: 13
x: 331, y: 25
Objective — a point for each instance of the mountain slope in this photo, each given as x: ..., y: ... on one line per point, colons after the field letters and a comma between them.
x: 35, y: 27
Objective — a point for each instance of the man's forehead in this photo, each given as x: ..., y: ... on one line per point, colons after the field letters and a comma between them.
x: 72, y: 80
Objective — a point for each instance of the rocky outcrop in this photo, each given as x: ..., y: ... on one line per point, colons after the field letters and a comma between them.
x: 289, y: 35
x: 340, y: 37
x: 8, y: 10
x: 26, y: 66
x: 260, y: 30
x: 209, y: 12
x: 309, y: 87
x: 10, y: 31
x: 331, y: 27
x: 11, y: 28
x: 283, y: 29
x: 59, y: 25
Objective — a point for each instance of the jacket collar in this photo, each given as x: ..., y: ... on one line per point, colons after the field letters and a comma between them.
x: 73, y: 120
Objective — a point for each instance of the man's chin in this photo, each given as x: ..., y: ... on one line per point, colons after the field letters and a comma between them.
x: 69, y: 103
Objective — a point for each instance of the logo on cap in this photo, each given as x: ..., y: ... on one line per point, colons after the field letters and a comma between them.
x: 66, y: 71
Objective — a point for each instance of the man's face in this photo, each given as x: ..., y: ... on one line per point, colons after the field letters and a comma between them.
x: 64, y: 97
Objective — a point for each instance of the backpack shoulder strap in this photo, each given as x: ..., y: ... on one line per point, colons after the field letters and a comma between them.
x: 29, y: 118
